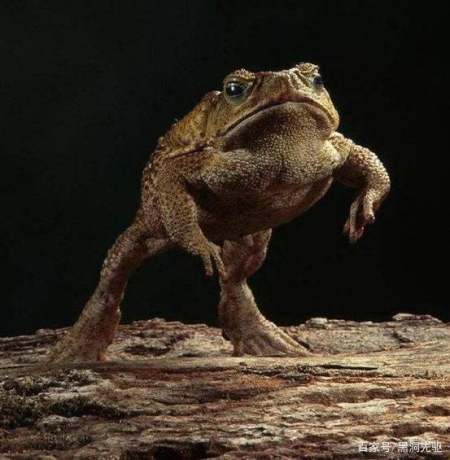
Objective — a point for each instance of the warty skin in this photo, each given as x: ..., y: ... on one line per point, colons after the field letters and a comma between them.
x: 243, y: 161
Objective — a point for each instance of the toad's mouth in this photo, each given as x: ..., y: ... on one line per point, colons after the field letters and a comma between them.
x: 317, y: 111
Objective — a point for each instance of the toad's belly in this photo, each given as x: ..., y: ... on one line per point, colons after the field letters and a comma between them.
x: 232, y: 218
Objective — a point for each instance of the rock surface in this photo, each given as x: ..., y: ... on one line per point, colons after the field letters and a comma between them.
x: 172, y: 391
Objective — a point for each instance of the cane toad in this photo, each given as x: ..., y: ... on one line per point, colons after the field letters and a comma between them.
x: 246, y: 159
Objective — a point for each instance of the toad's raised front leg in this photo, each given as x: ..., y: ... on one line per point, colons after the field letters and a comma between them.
x: 362, y: 169
x: 242, y: 322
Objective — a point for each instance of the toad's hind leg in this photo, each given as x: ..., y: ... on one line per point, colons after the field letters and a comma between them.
x: 95, y: 329
x: 242, y: 322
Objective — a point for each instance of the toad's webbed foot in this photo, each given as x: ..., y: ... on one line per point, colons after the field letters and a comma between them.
x: 91, y: 335
x: 263, y: 338
x: 362, y: 213
x: 242, y: 322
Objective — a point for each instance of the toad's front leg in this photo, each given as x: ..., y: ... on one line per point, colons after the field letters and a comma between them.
x: 224, y: 174
x: 362, y: 169
x: 178, y: 209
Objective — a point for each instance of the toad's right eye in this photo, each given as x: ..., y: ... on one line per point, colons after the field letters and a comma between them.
x: 235, y: 90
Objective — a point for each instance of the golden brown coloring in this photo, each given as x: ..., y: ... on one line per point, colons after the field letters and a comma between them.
x: 245, y: 160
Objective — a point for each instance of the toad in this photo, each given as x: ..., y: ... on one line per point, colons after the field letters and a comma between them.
x: 245, y: 160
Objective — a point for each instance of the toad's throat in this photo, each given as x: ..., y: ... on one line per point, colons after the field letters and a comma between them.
x: 316, y: 110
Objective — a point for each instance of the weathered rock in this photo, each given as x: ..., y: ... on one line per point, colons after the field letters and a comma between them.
x: 172, y: 391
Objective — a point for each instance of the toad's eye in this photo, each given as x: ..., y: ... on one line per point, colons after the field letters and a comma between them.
x: 318, y: 82
x: 235, y: 90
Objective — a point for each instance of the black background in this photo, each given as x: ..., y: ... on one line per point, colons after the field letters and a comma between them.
x: 87, y: 87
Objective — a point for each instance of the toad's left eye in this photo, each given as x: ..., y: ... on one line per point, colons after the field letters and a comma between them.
x: 318, y: 81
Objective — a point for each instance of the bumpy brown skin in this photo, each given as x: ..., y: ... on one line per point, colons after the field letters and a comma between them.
x: 219, y: 181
